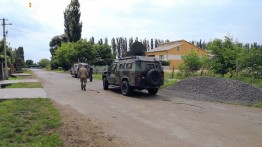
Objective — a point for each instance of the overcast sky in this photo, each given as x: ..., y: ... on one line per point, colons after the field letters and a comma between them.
x: 34, y: 27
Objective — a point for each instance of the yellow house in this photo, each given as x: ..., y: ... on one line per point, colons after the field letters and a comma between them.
x: 173, y: 52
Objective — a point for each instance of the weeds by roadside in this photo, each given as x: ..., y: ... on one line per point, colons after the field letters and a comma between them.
x: 258, y: 105
x: 29, y: 122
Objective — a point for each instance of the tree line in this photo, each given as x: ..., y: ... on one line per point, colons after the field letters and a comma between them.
x: 69, y: 47
x: 225, y: 56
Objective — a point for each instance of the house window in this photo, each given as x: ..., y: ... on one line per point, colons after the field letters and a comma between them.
x: 161, y: 57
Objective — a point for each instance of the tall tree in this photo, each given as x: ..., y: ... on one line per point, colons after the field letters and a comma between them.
x: 137, y: 49
x: 20, y: 52
x: 29, y: 62
x: 137, y: 39
x: 100, y: 42
x: 56, y: 42
x: 156, y: 43
x: 131, y: 41
x: 152, y: 43
x: 118, y: 47
x: 92, y: 40
x: 113, y: 44
x: 73, y: 26
x: 9, y: 53
x: 106, y: 41
x: 19, y: 58
x: 103, y: 55
x: 44, y: 63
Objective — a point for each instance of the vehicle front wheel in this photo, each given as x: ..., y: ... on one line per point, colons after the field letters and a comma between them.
x: 105, y: 83
x: 152, y: 91
x: 125, y: 88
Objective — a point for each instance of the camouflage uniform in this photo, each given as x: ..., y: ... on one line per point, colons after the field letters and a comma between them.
x: 83, y: 74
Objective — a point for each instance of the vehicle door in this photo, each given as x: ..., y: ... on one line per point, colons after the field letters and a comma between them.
x: 112, y: 74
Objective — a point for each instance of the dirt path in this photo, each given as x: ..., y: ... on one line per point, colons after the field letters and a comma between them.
x: 143, y: 120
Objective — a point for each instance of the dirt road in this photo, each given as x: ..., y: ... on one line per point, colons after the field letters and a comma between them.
x: 143, y: 120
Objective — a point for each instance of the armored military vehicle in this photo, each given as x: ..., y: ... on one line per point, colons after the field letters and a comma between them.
x: 75, y: 68
x: 137, y: 72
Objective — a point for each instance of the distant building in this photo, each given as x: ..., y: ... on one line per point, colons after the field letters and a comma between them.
x: 173, y: 52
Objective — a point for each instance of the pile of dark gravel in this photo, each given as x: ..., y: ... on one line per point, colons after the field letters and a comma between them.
x: 215, y: 90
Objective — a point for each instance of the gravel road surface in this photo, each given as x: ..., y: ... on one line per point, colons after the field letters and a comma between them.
x: 144, y: 120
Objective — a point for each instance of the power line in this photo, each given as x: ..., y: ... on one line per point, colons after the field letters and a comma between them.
x: 30, y: 33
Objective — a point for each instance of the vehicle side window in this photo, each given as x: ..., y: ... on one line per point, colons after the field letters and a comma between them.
x: 122, y: 66
x: 150, y: 66
x: 113, y: 67
x: 129, y: 65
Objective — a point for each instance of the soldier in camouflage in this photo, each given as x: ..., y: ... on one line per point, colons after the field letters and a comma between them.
x: 83, y: 74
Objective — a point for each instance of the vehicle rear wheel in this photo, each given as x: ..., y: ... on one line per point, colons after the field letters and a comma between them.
x: 105, y: 84
x: 153, y: 78
x: 125, y: 88
x: 152, y: 91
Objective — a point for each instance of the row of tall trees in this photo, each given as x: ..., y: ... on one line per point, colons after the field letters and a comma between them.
x: 69, y: 48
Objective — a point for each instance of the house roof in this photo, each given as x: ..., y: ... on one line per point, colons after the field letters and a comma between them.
x: 165, y: 47
x: 170, y: 45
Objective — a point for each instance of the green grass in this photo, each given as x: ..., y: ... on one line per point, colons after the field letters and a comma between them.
x: 177, y: 75
x: 258, y: 105
x: 249, y: 80
x: 28, y: 72
x: 97, y: 76
x: 25, y: 85
x: 14, y: 78
x: 168, y: 83
x: 29, y: 122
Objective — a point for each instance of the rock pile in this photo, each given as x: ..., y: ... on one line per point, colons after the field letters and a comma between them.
x: 215, y: 90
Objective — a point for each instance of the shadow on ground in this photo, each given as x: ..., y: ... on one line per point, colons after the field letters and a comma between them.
x: 143, y: 94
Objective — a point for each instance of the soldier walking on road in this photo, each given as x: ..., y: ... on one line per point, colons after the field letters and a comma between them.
x: 83, y: 74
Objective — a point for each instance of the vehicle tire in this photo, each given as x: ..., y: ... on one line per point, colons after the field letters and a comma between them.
x: 105, y: 84
x: 152, y: 91
x: 153, y: 78
x: 125, y: 88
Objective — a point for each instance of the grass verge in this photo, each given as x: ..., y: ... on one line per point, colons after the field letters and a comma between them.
x: 168, y: 83
x: 28, y: 71
x: 14, y: 78
x: 25, y: 85
x: 258, y: 105
x: 97, y: 76
x: 29, y: 122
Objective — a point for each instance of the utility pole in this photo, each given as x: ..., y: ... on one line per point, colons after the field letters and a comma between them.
x: 4, y: 42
